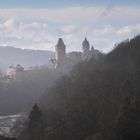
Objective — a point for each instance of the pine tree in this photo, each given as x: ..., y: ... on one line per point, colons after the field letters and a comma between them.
x: 35, y: 125
x: 128, y: 123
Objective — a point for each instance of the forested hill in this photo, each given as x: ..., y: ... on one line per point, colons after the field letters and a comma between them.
x: 98, y: 101
x: 27, y: 58
x: 127, y: 53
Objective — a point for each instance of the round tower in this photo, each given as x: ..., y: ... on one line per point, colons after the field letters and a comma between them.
x: 60, y: 51
x: 85, y: 46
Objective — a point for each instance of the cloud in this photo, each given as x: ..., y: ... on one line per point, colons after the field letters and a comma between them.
x: 40, y: 28
x: 55, y: 15
x: 72, y: 14
x: 129, y: 30
x: 102, y: 32
x: 68, y: 28
x: 11, y: 23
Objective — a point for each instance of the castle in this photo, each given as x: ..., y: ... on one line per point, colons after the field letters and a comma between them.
x: 64, y: 59
x: 12, y: 71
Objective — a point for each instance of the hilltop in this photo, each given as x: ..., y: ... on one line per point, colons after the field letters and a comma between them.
x: 27, y: 58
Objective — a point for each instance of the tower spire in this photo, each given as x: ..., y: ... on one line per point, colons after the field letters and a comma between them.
x: 85, y: 46
x: 60, y: 51
x: 60, y: 43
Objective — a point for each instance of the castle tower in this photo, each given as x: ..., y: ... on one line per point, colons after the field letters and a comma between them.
x: 60, y: 51
x: 92, y: 48
x: 85, y: 46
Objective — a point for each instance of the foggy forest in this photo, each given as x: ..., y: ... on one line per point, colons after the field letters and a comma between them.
x: 69, y: 70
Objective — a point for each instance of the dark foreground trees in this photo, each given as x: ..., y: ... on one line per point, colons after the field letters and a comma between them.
x: 34, y: 127
x: 127, y: 126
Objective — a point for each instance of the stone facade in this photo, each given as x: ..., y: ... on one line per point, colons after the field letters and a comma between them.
x: 12, y: 71
x: 60, y: 51
x: 62, y: 59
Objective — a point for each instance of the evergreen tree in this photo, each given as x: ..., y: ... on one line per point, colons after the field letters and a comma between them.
x: 35, y: 125
x: 128, y: 123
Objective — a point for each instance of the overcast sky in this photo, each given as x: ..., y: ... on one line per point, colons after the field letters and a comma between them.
x: 37, y: 24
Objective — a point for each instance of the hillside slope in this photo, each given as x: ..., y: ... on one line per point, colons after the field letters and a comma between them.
x: 87, y: 103
x: 27, y: 58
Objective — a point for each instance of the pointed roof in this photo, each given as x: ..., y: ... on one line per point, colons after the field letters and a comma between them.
x: 60, y: 43
x: 85, y: 43
x: 92, y: 48
x: 85, y: 39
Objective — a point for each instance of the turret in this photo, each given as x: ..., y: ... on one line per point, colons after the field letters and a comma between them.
x: 60, y: 51
x: 85, y: 46
x: 92, y: 48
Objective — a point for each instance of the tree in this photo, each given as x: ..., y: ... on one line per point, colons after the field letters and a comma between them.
x: 35, y: 125
x: 128, y: 123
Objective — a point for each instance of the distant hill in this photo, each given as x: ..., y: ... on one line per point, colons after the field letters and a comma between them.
x: 13, y: 56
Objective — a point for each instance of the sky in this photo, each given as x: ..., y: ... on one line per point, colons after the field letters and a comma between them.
x: 62, y: 3
x: 37, y: 24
